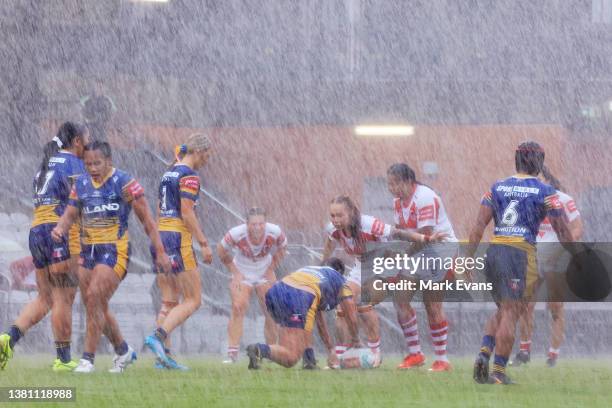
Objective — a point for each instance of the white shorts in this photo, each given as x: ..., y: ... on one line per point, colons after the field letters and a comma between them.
x: 253, y: 272
x: 552, y: 258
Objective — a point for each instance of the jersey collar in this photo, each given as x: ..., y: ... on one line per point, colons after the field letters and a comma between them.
x: 96, y: 185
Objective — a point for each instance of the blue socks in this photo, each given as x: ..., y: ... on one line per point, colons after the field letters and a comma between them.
x: 89, y: 357
x: 15, y: 334
x: 487, y: 347
x: 62, y: 348
x: 121, y: 349
x: 264, y: 350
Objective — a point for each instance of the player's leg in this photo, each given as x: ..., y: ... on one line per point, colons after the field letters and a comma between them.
x: 170, y: 296
x: 240, y: 293
x: 190, y: 287
x: 64, y: 284
x: 526, y: 331
x: 270, y: 326
x: 555, y: 286
x: 31, y: 314
x: 294, y: 310
x: 111, y: 327
x: 438, y: 326
x: 407, y: 319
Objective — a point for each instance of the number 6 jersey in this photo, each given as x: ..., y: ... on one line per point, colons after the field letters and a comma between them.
x: 520, y: 203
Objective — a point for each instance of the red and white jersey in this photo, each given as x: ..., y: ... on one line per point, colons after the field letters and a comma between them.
x: 238, y: 238
x: 424, y: 209
x: 372, y: 229
x: 546, y: 232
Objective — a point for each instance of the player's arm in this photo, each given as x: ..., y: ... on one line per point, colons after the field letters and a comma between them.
x: 227, y: 258
x: 332, y: 359
x: 193, y: 225
x: 328, y: 248
x: 276, y: 260
x: 405, y: 235
x: 70, y: 215
x: 141, y: 209
x: 485, y: 215
x: 576, y: 228
x: 350, y: 312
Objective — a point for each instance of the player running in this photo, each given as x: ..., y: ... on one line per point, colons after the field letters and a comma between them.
x: 55, y: 262
x: 260, y: 247
x: 296, y: 303
x: 517, y: 205
x: 552, y: 263
x: 104, y: 197
x: 417, y: 208
x: 351, y: 230
x: 178, y: 226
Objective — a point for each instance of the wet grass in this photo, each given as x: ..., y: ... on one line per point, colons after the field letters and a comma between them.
x: 573, y: 383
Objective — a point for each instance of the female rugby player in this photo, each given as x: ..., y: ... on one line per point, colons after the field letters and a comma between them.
x: 178, y: 225
x: 104, y: 197
x: 351, y: 229
x: 260, y: 247
x: 419, y: 209
x: 56, y: 262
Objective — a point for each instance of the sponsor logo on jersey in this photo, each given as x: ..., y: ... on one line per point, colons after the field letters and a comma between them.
x: 101, y: 208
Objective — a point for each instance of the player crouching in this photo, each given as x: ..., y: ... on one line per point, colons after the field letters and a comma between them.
x: 295, y: 303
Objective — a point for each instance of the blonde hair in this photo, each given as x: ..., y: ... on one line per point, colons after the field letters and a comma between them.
x: 195, y: 142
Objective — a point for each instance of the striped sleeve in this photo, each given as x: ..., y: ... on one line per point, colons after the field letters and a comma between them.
x: 487, y: 199
x: 554, y: 207
x: 189, y: 187
x: 73, y: 198
x: 132, y: 190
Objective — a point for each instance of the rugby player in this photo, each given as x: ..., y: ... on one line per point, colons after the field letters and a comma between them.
x: 260, y: 247
x: 104, y: 196
x: 552, y: 263
x: 178, y: 225
x: 517, y: 205
x: 351, y: 230
x: 417, y: 208
x: 55, y: 262
x: 296, y: 303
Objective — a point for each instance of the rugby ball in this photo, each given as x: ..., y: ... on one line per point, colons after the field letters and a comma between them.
x: 359, y: 358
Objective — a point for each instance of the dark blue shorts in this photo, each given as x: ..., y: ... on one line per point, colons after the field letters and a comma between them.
x: 45, y: 251
x: 179, y: 249
x: 512, y: 271
x: 291, y: 307
x: 116, y: 255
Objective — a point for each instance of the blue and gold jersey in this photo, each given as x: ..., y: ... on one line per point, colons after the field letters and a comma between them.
x: 520, y: 203
x: 51, y: 197
x: 180, y: 181
x: 326, y: 283
x: 105, y: 207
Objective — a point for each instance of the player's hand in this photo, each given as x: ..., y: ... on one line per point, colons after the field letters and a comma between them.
x: 237, y: 279
x: 163, y: 262
x: 57, y: 234
x: 207, y: 255
x: 332, y: 359
x: 437, y: 236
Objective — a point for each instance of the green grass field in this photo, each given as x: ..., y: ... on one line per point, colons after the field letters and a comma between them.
x: 573, y: 383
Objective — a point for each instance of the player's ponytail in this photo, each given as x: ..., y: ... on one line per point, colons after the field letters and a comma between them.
x: 551, y: 179
x: 64, y: 139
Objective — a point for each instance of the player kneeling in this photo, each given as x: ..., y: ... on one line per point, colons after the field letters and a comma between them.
x: 295, y: 303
